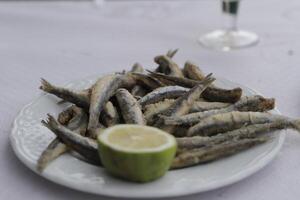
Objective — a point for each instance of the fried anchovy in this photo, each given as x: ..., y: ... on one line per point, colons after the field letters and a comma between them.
x: 86, y: 92
x: 103, y: 89
x: 211, y: 93
x: 255, y: 103
x: 168, y: 92
x: 168, y: 66
x: 171, y: 53
x: 224, y: 122
x: 80, y: 98
x: 211, y: 153
x: 86, y: 147
x: 78, y: 124
x: 152, y: 110
x: 183, y: 104
x: 192, y: 71
x: 111, y: 116
x: 130, y: 108
x: 241, y: 133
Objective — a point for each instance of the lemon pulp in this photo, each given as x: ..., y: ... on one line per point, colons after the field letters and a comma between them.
x: 135, y: 139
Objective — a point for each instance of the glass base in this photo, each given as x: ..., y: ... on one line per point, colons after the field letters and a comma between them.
x: 228, y: 40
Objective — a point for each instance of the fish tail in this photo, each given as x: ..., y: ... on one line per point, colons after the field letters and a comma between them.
x: 54, y: 150
x: 208, y: 80
x: 50, y: 123
x: 46, y: 86
x: 269, y: 104
x: 171, y: 53
x: 169, y: 120
x: 236, y: 94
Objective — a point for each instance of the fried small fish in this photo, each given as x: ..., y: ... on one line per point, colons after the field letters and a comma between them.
x: 250, y: 131
x: 79, y: 98
x: 168, y: 92
x: 254, y: 103
x: 102, y: 91
x: 78, y: 123
x: 221, y: 123
x: 211, y: 93
x: 211, y: 153
x: 86, y: 147
x: 130, y: 108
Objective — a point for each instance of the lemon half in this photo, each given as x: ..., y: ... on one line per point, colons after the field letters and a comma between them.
x: 136, y: 153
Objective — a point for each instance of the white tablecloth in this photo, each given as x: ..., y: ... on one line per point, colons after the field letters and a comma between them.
x: 64, y: 41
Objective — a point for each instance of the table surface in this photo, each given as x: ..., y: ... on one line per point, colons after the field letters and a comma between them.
x: 63, y: 41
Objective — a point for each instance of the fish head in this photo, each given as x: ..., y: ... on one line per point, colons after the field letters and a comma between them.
x: 266, y: 104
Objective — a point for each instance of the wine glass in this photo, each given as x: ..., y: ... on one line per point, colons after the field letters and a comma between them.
x: 230, y: 37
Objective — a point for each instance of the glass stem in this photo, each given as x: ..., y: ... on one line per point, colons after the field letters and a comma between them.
x: 232, y: 23
x: 230, y: 11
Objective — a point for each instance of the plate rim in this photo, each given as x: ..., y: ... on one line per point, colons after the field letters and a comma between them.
x: 261, y: 163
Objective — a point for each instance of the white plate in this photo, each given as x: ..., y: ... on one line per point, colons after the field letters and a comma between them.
x: 29, y: 138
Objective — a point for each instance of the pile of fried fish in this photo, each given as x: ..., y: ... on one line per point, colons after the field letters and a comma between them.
x: 209, y: 122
